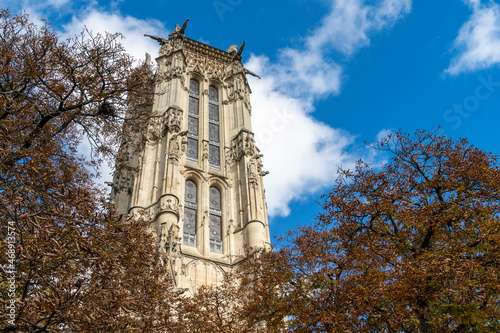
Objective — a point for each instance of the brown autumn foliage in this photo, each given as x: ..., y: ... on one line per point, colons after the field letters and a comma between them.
x: 76, y: 267
x: 411, y: 247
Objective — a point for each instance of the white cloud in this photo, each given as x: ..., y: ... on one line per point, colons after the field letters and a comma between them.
x: 384, y: 133
x: 309, y: 70
x: 346, y: 27
x: 133, y: 30
x: 302, y: 153
x: 478, y: 39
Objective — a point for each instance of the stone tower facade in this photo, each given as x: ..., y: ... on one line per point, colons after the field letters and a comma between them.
x: 200, y: 180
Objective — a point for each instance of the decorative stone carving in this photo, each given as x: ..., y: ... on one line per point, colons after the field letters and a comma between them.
x: 137, y: 213
x: 196, y: 62
x: 236, y: 89
x: 209, y: 68
x: 163, y: 239
x: 215, y: 70
x: 205, y: 150
x: 243, y: 145
x: 173, y: 242
x: 170, y: 45
x: 205, y: 218
x: 153, y: 212
x: 253, y: 178
x: 166, y: 48
x: 181, y: 30
x: 172, y: 120
x: 173, y: 150
x: 232, y: 49
x: 155, y: 126
x: 169, y: 247
x: 233, y: 68
x: 167, y: 203
x: 171, y: 67
x: 176, y: 144
x: 177, y: 65
x: 228, y: 153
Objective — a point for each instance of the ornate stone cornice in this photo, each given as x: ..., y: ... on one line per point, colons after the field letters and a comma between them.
x: 195, y: 46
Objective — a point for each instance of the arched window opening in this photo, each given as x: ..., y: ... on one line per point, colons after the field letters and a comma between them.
x: 213, y: 128
x: 190, y: 209
x: 215, y: 220
x: 193, y: 120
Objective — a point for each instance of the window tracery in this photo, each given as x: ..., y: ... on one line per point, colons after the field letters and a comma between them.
x: 190, y: 212
x: 193, y: 120
x: 213, y: 128
x: 215, y: 220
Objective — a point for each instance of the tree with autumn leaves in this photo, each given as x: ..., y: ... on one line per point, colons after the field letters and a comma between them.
x: 412, y: 246
x: 77, y: 266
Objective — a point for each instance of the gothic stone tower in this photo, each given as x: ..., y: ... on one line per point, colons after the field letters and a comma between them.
x: 200, y: 181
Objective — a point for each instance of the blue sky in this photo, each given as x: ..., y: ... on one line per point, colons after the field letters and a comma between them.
x: 335, y: 73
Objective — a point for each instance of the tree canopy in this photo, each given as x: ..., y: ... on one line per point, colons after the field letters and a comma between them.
x: 412, y: 246
x: 73, y: 264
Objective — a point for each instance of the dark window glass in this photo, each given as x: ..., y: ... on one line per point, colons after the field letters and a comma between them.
x: 213, y: 127
x: 194, y: 88
x: 214, y: 198
x: 190, y: 203
x: 213, y: 112
x: 213, y: 133
x: 192, y: 149
x: 194, y: 108
x: 213, y: 156
x: 215, y: 220
x: 213, y: 95
x: 192, y: 125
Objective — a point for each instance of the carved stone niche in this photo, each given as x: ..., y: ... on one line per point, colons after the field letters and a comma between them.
x: 243, y: 145
x: 172, y: 120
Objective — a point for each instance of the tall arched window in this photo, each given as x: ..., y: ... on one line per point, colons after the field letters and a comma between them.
x: 213, y: 127
x: 190, y: 208
x: 193, y: 119
x: 215, y: 220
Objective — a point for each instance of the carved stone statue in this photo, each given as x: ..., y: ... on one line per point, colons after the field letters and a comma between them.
x: 179, y: 29
x: 232, y: 49
x: 163, y: 238
x: 174, y: 146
